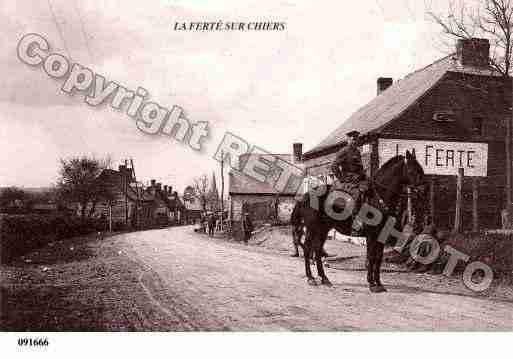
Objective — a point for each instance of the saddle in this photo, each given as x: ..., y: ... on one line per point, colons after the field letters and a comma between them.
x: 354, y: 185
x: 357, y: 190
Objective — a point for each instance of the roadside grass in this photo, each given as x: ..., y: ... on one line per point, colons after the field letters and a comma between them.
x: 493, y: 249
x: 80, y: 284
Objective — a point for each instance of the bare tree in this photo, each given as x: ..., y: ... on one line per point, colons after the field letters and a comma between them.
x: 493, y: 20
x: 106, y: 162
x: 201, y: 189
x: 78, y: 182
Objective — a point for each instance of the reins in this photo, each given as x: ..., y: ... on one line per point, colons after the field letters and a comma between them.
x: 375, y: 183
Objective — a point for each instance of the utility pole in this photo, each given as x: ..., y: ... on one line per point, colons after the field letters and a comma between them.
x: 137, y: 195
x: 222, y: 189
x: 458, y: 220
x: 509, y: 140
x: 110, y: 216
x: 125, y: 182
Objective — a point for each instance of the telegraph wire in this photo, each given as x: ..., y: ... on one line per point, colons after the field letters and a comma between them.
x: 59, y: 29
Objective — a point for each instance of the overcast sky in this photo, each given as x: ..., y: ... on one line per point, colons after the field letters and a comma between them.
x: 271, y: 88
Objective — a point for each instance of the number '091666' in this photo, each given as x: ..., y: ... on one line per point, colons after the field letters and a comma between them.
x: 33, y: 342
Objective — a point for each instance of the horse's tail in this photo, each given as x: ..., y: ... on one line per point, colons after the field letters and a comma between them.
x: 296, y: 220
x: 295, y: 217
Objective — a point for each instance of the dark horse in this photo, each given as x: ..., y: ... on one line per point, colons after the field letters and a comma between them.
x: 384, y: 194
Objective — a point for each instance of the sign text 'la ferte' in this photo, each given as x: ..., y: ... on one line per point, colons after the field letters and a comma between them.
x: 440, y: 157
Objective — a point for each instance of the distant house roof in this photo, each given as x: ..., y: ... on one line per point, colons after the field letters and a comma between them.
x: 114, y: 177
x: 174, y: 202
x: 396, y: 99
x: 192, y: 205
x: 239, y: 183
x: 135, y: 192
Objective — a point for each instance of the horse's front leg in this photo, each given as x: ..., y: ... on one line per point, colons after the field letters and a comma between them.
x: 370, y: 264
x: 380, y: 247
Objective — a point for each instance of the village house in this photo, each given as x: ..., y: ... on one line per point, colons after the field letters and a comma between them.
x: 132, y: 205
x: 175, y: 206
x: 193, y: 210
x: 160, y: 211
x: 452, y: 114
x: 260, y: 199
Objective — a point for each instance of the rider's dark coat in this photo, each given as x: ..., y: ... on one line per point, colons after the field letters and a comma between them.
x: 347, y: 166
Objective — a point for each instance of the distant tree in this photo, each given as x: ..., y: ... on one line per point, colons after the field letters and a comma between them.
x: 201, y: 190
x: 11, y: 196
x: 213, y: 195
x: 78, y: 182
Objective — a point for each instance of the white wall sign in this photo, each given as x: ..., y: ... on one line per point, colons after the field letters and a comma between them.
x: 440, y: 157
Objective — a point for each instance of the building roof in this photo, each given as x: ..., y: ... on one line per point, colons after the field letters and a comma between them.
x: 114, y: 177
x: 135, y: 191
x: 193, y: 205
x: 174, y: 202
x: 239, y: 183
x: 396, y: 99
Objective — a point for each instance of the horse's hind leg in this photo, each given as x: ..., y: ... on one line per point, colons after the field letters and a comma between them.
x: 319, y: 244
x: 370, y: 264
x: 296, y: 242
x: 307, y: 248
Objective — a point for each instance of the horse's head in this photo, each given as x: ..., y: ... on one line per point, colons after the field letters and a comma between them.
x: 400, y: 172
x: 413, y: 171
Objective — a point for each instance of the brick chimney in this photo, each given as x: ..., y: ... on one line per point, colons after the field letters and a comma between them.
x: 297, y: 152
x: 124, y: 173
x: 384, y: 83
x: 473, y: 52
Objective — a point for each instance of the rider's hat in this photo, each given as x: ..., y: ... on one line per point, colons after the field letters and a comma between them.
x: 353, y: 134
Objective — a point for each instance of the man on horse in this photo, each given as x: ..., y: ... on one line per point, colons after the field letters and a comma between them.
x: 348, y: 170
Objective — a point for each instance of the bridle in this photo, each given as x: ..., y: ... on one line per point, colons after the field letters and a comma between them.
x: 399, y: 194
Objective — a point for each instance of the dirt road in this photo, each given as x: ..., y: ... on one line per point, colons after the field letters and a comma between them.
x: 216, y: 285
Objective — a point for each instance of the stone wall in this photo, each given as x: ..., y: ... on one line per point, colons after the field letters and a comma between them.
x: 261, y: 209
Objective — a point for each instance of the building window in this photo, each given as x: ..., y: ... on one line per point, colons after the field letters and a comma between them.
x: 444, y: 116
x: 477, y: 126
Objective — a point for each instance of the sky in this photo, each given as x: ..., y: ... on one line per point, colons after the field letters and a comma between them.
x: 271, y: 88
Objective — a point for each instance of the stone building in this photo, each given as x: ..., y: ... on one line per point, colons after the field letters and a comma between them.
x: 133, y: 206
x: 260, y: 199
x: 453, y: 114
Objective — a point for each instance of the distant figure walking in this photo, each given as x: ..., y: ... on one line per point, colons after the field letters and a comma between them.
x: 211, y: 225
x: 247, y: 227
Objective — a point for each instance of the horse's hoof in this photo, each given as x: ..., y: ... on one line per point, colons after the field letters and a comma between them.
x: 326, y: 282
x: 380, y: 288
x: 377, y: 288
x: 312, y: 281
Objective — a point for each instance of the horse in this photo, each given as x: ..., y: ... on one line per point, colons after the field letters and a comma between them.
x: 385, y: 191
